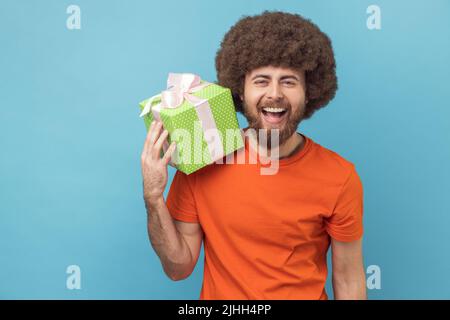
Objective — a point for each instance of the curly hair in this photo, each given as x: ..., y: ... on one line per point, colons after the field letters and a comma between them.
x: 278, y: 39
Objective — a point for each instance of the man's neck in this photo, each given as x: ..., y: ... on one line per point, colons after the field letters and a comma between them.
x: 292, y: 145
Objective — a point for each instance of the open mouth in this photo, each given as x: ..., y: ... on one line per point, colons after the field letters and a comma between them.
x: 274, y: 115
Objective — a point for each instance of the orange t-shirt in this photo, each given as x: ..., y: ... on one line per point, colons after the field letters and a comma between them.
x: 267, y: 236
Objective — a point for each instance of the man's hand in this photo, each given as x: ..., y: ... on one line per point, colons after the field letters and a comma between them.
x: 154, y: 168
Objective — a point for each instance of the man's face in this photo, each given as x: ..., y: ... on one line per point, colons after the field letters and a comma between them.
x: 274, y: 98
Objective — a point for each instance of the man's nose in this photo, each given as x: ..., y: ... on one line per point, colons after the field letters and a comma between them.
x: 274, y: 92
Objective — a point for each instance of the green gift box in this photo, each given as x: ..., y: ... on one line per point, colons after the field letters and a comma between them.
x: 199, y: 116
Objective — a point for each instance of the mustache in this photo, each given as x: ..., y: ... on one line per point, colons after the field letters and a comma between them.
x: 272, y: 104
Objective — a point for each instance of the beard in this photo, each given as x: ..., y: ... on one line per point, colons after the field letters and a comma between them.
x: 284, y: 132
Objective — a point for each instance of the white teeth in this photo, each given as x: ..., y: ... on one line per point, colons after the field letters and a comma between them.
x: 273, y: 109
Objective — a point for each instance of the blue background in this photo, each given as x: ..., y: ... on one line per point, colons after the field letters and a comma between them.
x: 71, y: 138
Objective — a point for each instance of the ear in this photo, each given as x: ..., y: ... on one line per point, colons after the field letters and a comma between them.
x: 242, y: 98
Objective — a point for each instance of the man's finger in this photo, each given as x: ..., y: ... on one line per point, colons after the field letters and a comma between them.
x: 168, y: 155
x: 154, y: 135
x: 158, y: 144
x: 147, y: 138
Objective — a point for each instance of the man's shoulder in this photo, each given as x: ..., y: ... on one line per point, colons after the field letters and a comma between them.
x: 331, y: 161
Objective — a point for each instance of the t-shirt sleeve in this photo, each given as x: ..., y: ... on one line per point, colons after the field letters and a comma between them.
x: 346, y: 222
x: 180, y: 199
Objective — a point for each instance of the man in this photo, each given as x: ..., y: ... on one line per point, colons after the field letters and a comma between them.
x: 265, y: 236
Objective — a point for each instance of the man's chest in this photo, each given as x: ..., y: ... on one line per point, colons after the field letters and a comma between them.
x: 265, y: 209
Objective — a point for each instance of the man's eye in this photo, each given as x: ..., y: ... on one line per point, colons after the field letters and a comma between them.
x: 289, y: 83
x: 259, y: 82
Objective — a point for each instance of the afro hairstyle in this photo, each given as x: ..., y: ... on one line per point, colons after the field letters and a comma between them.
x: 278, y: 39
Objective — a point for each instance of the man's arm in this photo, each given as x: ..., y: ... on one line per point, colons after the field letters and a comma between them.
x: 349, y: 280
x: 176, y: 244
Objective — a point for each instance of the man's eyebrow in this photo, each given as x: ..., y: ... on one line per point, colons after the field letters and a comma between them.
x: 266, y: 76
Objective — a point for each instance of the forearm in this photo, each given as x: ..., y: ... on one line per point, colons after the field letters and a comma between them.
x: 349, y: 286
x: 168, y: 243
